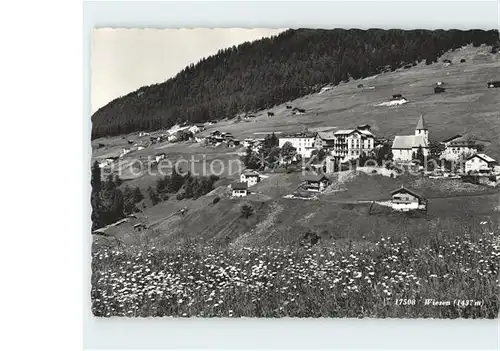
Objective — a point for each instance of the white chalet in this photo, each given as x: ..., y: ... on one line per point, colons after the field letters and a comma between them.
x: 404, y: 199
x: 480, y: 163
x: 250, y: 177
x: 239, y: 189
x: 404, y: 146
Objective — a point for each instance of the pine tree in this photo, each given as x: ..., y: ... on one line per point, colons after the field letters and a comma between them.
x: 118, y: 181
x: 420, y: 155
x: 138, y: 197
x: 153, y: 195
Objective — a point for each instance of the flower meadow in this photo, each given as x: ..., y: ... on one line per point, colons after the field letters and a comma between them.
x: 319, y: 281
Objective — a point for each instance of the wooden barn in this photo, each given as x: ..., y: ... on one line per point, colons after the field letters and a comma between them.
x: 404, y: 199
x: 316, y: 182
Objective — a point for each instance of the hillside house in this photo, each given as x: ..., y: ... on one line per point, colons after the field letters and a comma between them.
x: 172, y: 138
x: 195, y: 129
x: 316, y: 182
x: 125, y: 151
x: 458, y: 147
x: 239, y: 189
x: 404, y: 199
x: 270, y: 114
x: 140, y: 227
x: 298, y: 111
x: 494, y: 84
x: 303, y: 142
x: 160, y: 156
x: 232, y: 142
x: 105, y: 163
x: 480, y: 163
x: 250, y: 177
x: 248, y: 143
x: 199, y: 139
x: 364, y: 127
x: 404, y: 146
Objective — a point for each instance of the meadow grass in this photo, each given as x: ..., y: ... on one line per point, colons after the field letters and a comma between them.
x: 322, y: 281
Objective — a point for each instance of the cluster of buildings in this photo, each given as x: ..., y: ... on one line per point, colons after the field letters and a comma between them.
x: 247, y: 179
x: 217, y: 138
x: 348, y: 144
x: 255, y: 144
x: 343, y: 144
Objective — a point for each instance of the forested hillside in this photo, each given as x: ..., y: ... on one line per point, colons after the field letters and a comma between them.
x: 270, y: 71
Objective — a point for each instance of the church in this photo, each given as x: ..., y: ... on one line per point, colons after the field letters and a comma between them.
x: 404, y: 146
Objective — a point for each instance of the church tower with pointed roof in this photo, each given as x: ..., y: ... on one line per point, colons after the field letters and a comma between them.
x: 421, y: 129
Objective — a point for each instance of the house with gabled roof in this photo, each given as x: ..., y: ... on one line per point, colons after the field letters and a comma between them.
x: 405, y: 146
x: 480, y: 163
x: 404, y: 199
x: 316, y: 182
x: 250, y: 177
x: 239, y: 189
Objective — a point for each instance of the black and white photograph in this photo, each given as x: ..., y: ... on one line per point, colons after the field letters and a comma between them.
x: 305, y: 173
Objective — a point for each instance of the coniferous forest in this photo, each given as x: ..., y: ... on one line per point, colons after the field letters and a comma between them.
x: 270, y: 71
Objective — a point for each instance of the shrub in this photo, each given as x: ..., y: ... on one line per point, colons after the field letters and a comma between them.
x: 216, y: 200
x: 246, y: 211
x: 153, y: 195
x: 374, y: 171
x: 181, y: 195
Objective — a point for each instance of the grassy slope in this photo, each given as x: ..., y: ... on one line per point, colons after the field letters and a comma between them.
x: 335, y: 217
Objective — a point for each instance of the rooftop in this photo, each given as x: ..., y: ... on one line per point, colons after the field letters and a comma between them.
x: 484, y: 157
x: 239, y: 186
x: 297, y: 135
x: 407, y: 191
x: 409, y: 141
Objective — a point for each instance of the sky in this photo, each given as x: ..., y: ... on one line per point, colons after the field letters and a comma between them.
x: 123, y: 60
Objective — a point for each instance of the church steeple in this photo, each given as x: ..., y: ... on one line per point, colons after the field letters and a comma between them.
x: 421, y: 123
x: 421, y: 129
